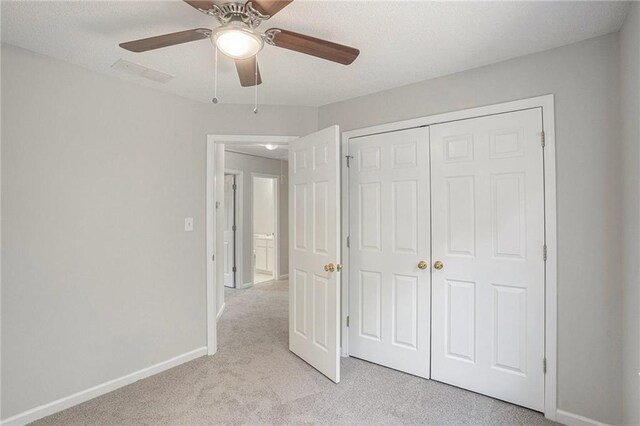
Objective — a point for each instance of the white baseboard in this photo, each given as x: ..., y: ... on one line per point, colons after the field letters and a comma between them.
x: 245, y: 285
x: 95, y: 391
x: 571, y: 419
x: 284, y: 277
x: 221, y: 311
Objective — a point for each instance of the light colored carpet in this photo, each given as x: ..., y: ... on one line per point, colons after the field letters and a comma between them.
x: 254, y: 379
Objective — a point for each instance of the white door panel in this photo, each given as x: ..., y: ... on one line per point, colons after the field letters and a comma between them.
x: 488, y: 230
x: 389, y: 234
x: 229, y: 230
x: 314, y: 294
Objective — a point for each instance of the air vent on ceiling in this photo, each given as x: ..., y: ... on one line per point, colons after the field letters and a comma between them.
x: 142, y: 71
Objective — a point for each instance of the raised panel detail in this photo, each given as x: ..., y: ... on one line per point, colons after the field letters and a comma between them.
x: 370, y: 216
x: 506, y: 143
x: 460, y: 319
x: 405, y: 216
x: 320, y: 217
x: 370, y: 304
x: 320, y: 314
x: 460, y: 216
x: 458, y: 148
x: 369, y: 159
x: 300, y: 302
x: 510, y: 328
x: 300, y: 219
x: 405, y: 155
x: 508, y: 215
x: 319, y: 156
x: 405, y: 310
x: 299, y: 160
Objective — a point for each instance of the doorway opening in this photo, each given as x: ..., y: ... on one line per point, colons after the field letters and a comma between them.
x: 264, y: 200
x: 232, y: 163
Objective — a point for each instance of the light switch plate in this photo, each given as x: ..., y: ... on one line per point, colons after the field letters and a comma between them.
x: 188, y: 224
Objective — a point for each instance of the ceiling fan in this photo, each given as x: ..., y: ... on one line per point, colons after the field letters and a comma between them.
x: 239, y: 39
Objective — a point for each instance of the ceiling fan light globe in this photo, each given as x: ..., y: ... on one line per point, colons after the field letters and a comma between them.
x: 237, y: 42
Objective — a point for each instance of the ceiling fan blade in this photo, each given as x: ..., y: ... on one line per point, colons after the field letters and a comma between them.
x: 313, y: 46
x: 152, y: 43
x: 200, y: 4
x: 269, y: 7
x: 247, y: 72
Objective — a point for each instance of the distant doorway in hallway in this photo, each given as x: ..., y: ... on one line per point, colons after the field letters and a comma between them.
x: 265, y: 227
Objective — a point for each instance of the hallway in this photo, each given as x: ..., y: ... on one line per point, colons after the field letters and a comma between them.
x: 254, y: 379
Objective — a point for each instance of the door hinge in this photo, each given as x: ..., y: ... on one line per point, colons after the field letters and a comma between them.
x: 234, y: 187
x: 233, y: 269
x: 348, y: 241
x: 544, y: 365
x: 349, y: 157
x: 233, y: 228
x: 213, y: 257
x: 347, y: 320
x: 544, y: 252
x: 542, y: 139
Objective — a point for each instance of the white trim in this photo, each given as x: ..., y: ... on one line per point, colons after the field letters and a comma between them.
x: 283, y: 277
x: 276, y: 218
x: 210, y: 235
x: 224, y: 305
x: 238, y: 246
x: 95, y: 391
x: 210, y: 230
x: 571, y: 419
x: 344, y: 212
x: 545, y: 102
x: 246, y: 285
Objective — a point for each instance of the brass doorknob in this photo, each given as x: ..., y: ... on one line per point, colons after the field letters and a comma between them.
x: 330, y: 267
x: 422, y: 264
x: 438, y: 265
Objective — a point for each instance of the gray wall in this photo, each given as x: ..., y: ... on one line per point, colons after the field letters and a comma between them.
x: 630, y: 96
x: 251, y: 164
x: 585, y: 79
x: 264, y: 207
x: 99, y: 279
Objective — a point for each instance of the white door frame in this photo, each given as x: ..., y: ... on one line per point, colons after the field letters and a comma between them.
x: 211, y: 217
x: 545, y: 102
x: 276, y: 234
x: 237, y: 246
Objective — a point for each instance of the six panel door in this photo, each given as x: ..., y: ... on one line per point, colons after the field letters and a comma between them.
x: 314, y: 245
x: 488, y: 232
x: 389, y: 236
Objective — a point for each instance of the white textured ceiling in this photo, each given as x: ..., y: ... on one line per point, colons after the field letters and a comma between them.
x: 400, y: 42
x: 258, y: 150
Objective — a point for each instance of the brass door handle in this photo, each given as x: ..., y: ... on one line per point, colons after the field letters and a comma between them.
x: 330, y: 267
x: 438, y: 265
x: 422, y: 265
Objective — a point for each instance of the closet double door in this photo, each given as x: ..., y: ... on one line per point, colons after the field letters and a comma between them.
x: 446, y: 276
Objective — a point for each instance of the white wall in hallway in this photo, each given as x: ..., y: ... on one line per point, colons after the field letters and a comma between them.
x: 263, y: 206
x: 251, y: 164
x: 585, y: 80
x: 99, y: 278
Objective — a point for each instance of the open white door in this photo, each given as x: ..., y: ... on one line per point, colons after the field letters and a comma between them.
x: 229, y: 230
x: 314, y: 250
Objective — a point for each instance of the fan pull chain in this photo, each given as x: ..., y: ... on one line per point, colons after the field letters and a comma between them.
x: 255, y: 80
x: 215, y: 79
